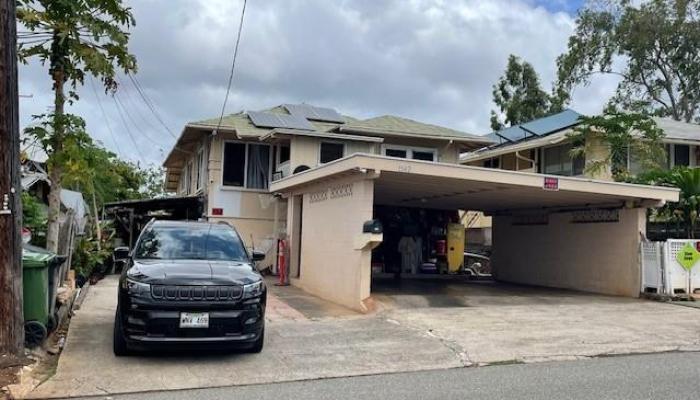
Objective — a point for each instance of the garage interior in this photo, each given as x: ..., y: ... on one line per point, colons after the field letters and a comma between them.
x: 556, y: 232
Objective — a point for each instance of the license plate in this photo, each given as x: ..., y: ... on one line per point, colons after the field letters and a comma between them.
x: 194, y: 320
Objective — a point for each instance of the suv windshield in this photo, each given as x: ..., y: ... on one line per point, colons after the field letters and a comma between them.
x: 203, y: 242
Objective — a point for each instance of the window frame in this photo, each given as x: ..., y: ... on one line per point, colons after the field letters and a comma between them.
x: 199, y: 162
x: 409, y: 151
x: 573, y: 163
x: 320, y: 150
x: 245, y: 187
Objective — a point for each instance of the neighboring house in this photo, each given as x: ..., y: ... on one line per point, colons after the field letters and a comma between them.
x: 543, y: 146
x: 232, y: 165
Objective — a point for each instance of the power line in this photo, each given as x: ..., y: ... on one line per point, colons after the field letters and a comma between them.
x: 104, y: 115
x: 154, y: 111
x: 134, y: 106
x: 233, y: 67
x: 128, y: 131
x: 149, y: 104
x: 134, y: 124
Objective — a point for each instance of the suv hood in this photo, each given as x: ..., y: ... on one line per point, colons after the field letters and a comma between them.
x: 193, y: 272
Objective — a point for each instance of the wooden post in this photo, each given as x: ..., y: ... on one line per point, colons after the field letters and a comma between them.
x: 11, y: 320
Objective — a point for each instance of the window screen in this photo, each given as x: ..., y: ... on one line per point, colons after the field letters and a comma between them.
x: 681, y: 155
x: 423, y: 155
x: 492, y: 163
x: 396, y: 153
x: 558, y: 161
x: 234, y: 164
x: 284, y: 154
x: 331, y: 151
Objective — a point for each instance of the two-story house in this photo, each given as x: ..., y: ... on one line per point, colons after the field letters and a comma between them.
x: 543, y: 146
x: 361, y: 200
x: 231, y: 165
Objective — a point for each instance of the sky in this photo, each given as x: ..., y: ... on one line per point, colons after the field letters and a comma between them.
x: 433, y: 61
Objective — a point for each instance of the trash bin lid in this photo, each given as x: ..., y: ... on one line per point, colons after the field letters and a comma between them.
x: 36, y: 257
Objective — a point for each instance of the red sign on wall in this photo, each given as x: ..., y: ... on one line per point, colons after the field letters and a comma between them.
x: 551, y: 183
x: 217, y: 211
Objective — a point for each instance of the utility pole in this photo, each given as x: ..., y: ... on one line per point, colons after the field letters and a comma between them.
x: 11, y: 320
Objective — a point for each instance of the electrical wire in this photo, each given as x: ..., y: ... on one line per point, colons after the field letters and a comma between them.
x: 104, y: 115
x: 134, y: 124
x: 233, y: 67
x: 134, y: 106
x: 128, y: 131
x: 149, y: 104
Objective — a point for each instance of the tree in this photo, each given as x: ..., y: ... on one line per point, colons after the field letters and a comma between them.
x: 652, y: 47
x: 73, y: 37
x: 519, y: 96
x: 627, y: 137
x: 154, y: 183
x: 687, y: 210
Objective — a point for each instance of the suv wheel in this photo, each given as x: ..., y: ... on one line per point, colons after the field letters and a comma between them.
x: 119, y: 345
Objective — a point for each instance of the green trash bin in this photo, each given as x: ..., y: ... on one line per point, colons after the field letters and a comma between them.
x: 35, y: 283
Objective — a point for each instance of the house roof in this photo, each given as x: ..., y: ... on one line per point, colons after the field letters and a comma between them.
x: 387, y: 125
x: 398, y: 126
x: 678, y: 130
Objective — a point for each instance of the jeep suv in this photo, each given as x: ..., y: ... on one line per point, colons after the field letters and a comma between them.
x: 189, y: 284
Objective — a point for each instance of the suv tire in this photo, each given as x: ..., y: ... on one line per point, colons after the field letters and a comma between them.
x: 119, y: 345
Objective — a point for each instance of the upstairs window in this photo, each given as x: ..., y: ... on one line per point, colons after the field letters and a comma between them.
x: 492, y: 163
x: 331, y: 151
x: 558, y: 161
x: 234, y: 164
x: 247, y: 165
x: 413, y: 153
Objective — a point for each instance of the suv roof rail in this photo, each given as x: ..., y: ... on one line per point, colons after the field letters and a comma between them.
x: 223, y: 223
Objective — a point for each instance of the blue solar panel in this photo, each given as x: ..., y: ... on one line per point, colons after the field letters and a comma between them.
x: 314, y: 113
x: 552, y: 123
x: 512, y: 134
x: 272, y: 120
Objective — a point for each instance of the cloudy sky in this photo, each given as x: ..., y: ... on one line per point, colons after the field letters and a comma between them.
x: 431, y: 60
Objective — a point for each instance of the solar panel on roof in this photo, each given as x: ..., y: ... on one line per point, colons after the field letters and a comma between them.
x: 512, y: 134
x: 314, y: 113
x: 552, y: 123
x: 271, y: 120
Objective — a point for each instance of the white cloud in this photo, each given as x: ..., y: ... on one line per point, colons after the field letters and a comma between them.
x: 433, y: 61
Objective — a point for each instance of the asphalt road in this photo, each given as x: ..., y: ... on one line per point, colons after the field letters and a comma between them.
x: 659, y: 376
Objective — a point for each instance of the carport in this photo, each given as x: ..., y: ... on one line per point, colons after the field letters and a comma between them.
x: 550, y: 231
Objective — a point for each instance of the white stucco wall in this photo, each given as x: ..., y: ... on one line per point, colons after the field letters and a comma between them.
x: 332, y: 266
x: 594, y: 257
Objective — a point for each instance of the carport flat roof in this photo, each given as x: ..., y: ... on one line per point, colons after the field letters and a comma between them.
x: 427, y: 184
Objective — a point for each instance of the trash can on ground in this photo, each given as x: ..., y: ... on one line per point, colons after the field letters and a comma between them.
x: 35, y: 283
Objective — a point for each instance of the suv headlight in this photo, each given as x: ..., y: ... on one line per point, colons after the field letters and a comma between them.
x: 253, y: 290
x: 135, y: 288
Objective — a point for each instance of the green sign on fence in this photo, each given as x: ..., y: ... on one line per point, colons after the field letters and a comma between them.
x: 688, y: 256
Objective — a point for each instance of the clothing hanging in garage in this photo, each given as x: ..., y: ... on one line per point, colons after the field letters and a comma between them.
x: 410, y: 249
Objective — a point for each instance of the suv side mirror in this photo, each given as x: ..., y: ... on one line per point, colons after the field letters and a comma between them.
x: 258, y: 255
x: 120, y: 253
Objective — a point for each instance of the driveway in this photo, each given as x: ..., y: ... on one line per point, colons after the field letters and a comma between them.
x: 420, y: 326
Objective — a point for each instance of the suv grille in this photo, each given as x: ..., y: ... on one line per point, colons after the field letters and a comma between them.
x: 196, y: 293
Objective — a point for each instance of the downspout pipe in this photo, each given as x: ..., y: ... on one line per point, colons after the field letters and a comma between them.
x: 521, y: 157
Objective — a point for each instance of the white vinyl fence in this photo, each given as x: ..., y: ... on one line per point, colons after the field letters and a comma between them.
x: 661, y: 271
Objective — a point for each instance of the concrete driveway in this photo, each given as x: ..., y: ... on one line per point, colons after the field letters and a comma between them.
x: 421, y: 325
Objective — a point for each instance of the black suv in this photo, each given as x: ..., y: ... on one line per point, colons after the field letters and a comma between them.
x: 189, y: 284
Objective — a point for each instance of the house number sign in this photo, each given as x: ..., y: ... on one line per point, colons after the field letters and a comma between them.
x: 333, y: 192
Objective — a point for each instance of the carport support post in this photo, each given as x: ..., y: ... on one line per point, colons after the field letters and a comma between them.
x: 11, y: 321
